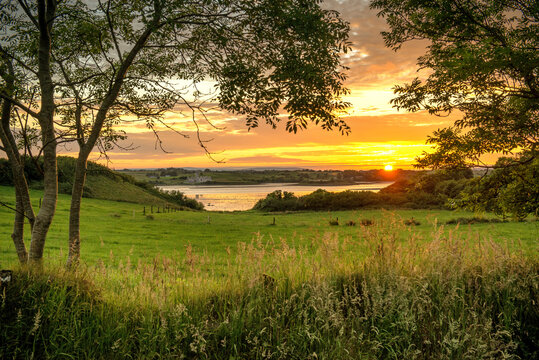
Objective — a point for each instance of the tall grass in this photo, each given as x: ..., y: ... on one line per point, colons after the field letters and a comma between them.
x: 449, y: 298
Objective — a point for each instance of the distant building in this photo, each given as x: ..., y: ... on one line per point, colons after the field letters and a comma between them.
x: 198, y: 179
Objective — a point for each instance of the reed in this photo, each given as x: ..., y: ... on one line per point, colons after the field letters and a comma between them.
x: 452, y: 297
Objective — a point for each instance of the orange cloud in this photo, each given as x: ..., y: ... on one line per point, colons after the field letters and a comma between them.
x: 380, y: 134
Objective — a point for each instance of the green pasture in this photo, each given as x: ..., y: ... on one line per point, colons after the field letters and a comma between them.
x: 208, y: 285
x: 113, y: 231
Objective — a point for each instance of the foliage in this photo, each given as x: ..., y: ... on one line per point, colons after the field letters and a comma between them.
x: 481, y: 61
x: 87, y: 66
x: 509, y: 190
x: 277, y: 201
x: 473, y: 220
x: 436, y: 189
x: 179, y: 198
x: 32, y: 170
x: 177, y: 176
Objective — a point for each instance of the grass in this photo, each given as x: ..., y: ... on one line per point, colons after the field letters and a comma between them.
x: 117, y: 230
x: 103, y: 187
x: 450, y: 298
x: 238, y: 287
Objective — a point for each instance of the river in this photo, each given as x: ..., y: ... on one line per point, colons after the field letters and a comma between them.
x: 244, y: 197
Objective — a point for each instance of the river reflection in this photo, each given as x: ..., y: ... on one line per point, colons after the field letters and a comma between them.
x: 244, y: 197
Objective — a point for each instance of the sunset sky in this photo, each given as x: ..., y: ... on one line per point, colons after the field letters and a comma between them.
x: 380, y: 134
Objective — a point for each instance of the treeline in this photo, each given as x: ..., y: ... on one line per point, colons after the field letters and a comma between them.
x: 172, y: 176
x: 511, y: 190
x: 66, y: 171
x: 425, y: 190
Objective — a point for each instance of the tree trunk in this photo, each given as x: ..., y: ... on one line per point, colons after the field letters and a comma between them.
x: 74, y: 212
x: 46, y: 14
x: 50, y: 195
x: 23, y: 207
x: 18, y: 230
x: 86, y: 148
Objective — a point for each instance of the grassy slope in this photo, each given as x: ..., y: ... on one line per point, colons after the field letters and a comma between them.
x: 105, y: 188
x: 119, y: 229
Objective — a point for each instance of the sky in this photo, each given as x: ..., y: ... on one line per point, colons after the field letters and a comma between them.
x: 380, y: 134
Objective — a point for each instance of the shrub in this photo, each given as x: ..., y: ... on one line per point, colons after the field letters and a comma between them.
x: 278, y: 201
x: 412, y: 222
x: 367, y: 222
x: 473, y: 220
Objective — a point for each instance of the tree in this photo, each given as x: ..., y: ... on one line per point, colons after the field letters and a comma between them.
x: 509, y: 190
x: 483, y: 61
x: 80, y: 68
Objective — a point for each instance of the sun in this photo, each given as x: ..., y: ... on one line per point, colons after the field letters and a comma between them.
x: 388, y: 167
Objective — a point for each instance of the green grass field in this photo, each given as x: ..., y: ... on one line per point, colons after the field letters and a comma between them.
x: 204, y: 285
x: 118, y: 229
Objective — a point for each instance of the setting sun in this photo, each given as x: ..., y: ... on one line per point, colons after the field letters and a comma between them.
x: 388, y: 168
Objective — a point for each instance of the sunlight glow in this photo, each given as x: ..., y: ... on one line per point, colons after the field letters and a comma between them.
x: 388, y: 167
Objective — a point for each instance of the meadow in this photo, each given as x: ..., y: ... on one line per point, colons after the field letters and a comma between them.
x: 113, y: 231
x: 205, y: 285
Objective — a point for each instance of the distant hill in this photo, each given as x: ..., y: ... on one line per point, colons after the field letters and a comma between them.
x: 180, y: 176
x: 101, y: 183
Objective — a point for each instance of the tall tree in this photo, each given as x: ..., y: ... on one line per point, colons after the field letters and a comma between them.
x: 98, y: 61
x: 482, y: 59
x: 14, y: 69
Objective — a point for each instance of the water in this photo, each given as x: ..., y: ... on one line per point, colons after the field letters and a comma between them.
x: 244, y: 197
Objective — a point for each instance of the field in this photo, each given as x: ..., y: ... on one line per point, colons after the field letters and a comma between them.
x: 205, y: 285
x: 118, y: 229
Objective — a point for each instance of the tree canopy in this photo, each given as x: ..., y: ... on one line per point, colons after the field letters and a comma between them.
x: 482, y: 60
x: 72, y: 70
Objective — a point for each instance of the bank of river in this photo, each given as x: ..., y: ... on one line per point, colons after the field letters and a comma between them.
x: 244, y: 197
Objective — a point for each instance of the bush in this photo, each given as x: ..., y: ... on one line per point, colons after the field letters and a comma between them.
x: 425, y: 190
x: 366, y: 222
x: 179, y: 198
x: 278, y: 201
x: 473, y: 220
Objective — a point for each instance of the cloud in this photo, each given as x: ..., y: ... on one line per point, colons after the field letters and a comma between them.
x: 380, y: 134
x: 372, y: 64
x: 268, y: 159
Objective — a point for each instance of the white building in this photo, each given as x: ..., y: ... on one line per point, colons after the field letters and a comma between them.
x: 198, y: 179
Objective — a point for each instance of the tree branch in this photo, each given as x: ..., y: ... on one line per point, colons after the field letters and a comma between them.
x: 19, y: 104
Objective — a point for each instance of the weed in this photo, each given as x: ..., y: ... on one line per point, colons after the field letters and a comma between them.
x: 412, y: 222
x: 334, y: 222
x: 367, y: 222
x: 446, y: 297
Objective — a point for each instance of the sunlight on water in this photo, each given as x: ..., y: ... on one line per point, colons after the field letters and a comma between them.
x: 244, y: 197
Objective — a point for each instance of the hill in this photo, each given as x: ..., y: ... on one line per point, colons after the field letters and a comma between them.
x: 179, y: 176
x: 101, y: 183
